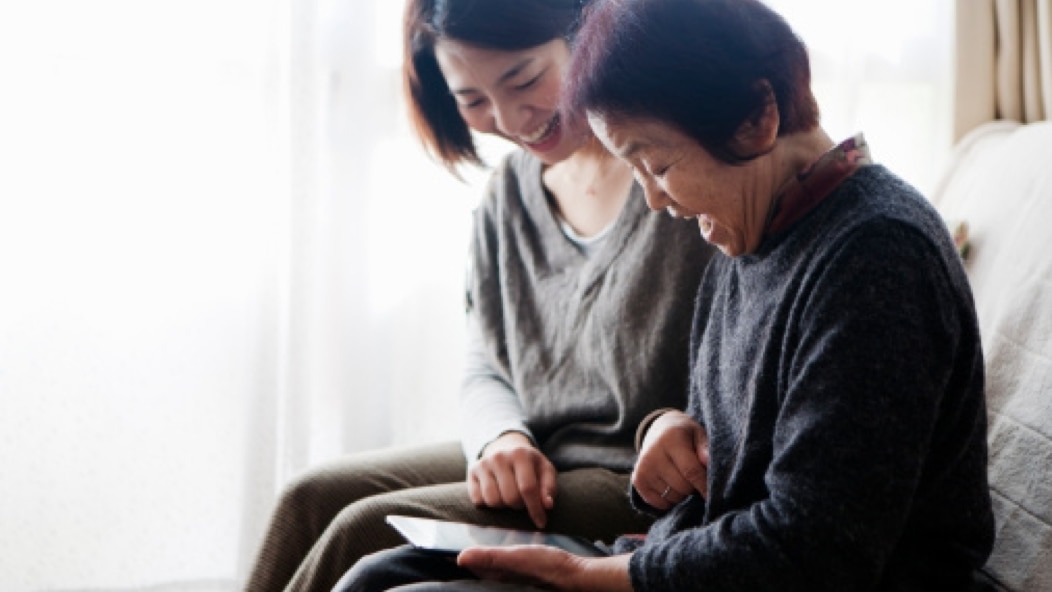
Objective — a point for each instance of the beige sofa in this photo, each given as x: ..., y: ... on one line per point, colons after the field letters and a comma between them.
x: 999, y: 183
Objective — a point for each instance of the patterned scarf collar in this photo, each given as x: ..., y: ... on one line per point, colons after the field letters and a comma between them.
x: 817, y: 181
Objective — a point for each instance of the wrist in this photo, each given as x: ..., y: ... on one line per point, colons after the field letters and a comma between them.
x: 607, y: 573
x: 648, y: 421
x: 508, y: 439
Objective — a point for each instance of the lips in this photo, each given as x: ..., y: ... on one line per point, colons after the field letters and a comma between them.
x: 676, y: 211
x: 544, y: 132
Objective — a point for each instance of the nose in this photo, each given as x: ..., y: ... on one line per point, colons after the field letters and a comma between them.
x: 656, y: 197
x: 509, y: 118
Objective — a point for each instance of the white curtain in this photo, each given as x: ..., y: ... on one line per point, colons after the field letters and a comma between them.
x: 223, y: 259
x: 884, y: 69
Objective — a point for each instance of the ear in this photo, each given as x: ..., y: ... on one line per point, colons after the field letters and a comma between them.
x: 758, y: 134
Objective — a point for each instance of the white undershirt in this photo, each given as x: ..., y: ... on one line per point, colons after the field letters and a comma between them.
x: 587, y: 244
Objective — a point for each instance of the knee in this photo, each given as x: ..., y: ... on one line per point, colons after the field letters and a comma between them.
x: 304, y: 497
x: 317, y: 496
x: 364, y: 516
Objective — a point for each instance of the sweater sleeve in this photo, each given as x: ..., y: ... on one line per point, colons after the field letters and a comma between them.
x: 489, y: 406
x: 867, y: 392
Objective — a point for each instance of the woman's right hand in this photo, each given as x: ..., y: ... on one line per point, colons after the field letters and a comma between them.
x: 512, y: 473
x: 673, y: 461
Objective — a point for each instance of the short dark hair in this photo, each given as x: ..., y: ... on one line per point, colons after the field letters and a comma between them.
x: 698, y: 65
x: 509, y: 25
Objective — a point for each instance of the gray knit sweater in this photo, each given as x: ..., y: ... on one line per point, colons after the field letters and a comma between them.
x: 589, y: 345
x: 839, y: 374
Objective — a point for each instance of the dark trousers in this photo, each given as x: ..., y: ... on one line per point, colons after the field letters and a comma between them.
x: 406, y: 569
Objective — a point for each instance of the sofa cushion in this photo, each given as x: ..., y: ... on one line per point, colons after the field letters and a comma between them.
x: 999, y: 182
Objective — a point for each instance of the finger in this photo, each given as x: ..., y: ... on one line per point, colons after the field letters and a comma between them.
x: 690, y: 475
x: 653, y: 478
x: 642, y: 483
x: 489, y: 488
x: 673, y: 495
x: 530, y: 563
x: 648, y: 470
x: 530, y: 492
x: 484, y: 562
x: 652, y: 495
x: 479, y: 560
x: 508, y: 484
x: 701, y: 447
x: 474, y: 488
x: 549, y: 483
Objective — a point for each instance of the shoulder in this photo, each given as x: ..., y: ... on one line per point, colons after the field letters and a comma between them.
x: 509, y: 185
x: 887, y: 246
x: 884, y: 217
x: 874, y: 192
x: 514, y: 171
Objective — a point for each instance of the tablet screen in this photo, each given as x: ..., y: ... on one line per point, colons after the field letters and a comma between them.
x: 453, y: 537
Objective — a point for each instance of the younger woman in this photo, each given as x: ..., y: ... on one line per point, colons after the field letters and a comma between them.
x: 579, y: 304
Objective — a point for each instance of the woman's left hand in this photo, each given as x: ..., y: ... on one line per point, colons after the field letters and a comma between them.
x: 673, y: 461
x: 548, y: 567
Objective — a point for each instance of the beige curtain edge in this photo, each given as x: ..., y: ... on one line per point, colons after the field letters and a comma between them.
x: 975, y: 96
x: 1044, y: 54
x: 1030, y: 68
x: 1010, y: 41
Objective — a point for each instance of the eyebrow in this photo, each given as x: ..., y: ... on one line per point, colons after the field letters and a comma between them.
x: 511, y: 73
x: 630, y: 150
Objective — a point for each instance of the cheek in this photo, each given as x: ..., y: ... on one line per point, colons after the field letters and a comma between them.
x: 547, y: 95
x: 477, y: 119
x: 687, y: 192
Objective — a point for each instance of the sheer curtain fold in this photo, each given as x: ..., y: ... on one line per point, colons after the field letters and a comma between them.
x: 196, y: 301
x: 1003, y: 62
x: 883, y: 69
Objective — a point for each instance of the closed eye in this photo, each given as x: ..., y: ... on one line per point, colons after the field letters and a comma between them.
x: 472, y: 103
x: 528, y: 83
x: 660, y: 171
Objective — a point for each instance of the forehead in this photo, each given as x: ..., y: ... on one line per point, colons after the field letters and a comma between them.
x: 632, y: 138
x: 464, y: 64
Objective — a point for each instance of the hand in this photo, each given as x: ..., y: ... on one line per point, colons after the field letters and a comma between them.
x: 548, y: 567
x: 512, y: 473
x: 673, y: 461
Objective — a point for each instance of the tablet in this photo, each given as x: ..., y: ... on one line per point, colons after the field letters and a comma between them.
x: 446, y: 537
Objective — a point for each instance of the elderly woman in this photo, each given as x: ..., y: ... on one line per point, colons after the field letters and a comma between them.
x: 836, y: 365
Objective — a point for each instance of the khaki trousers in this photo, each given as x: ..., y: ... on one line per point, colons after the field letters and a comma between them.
x: 333, y: 515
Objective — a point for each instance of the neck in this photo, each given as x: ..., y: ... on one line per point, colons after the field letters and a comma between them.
x: 800, y: 150
x: 817, y: 178
x: 589, y: 188
x: 793, y: 154
x: 774, y: 171
x: 592, y: 159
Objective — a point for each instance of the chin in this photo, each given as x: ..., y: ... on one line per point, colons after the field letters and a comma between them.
x: 553, y: 156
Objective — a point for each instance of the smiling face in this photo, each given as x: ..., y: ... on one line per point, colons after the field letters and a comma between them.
x: 513, y: 94
x: 729, y: 201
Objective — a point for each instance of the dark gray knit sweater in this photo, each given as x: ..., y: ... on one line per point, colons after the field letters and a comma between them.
x: 839, y: 374
x: 589, y: 344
